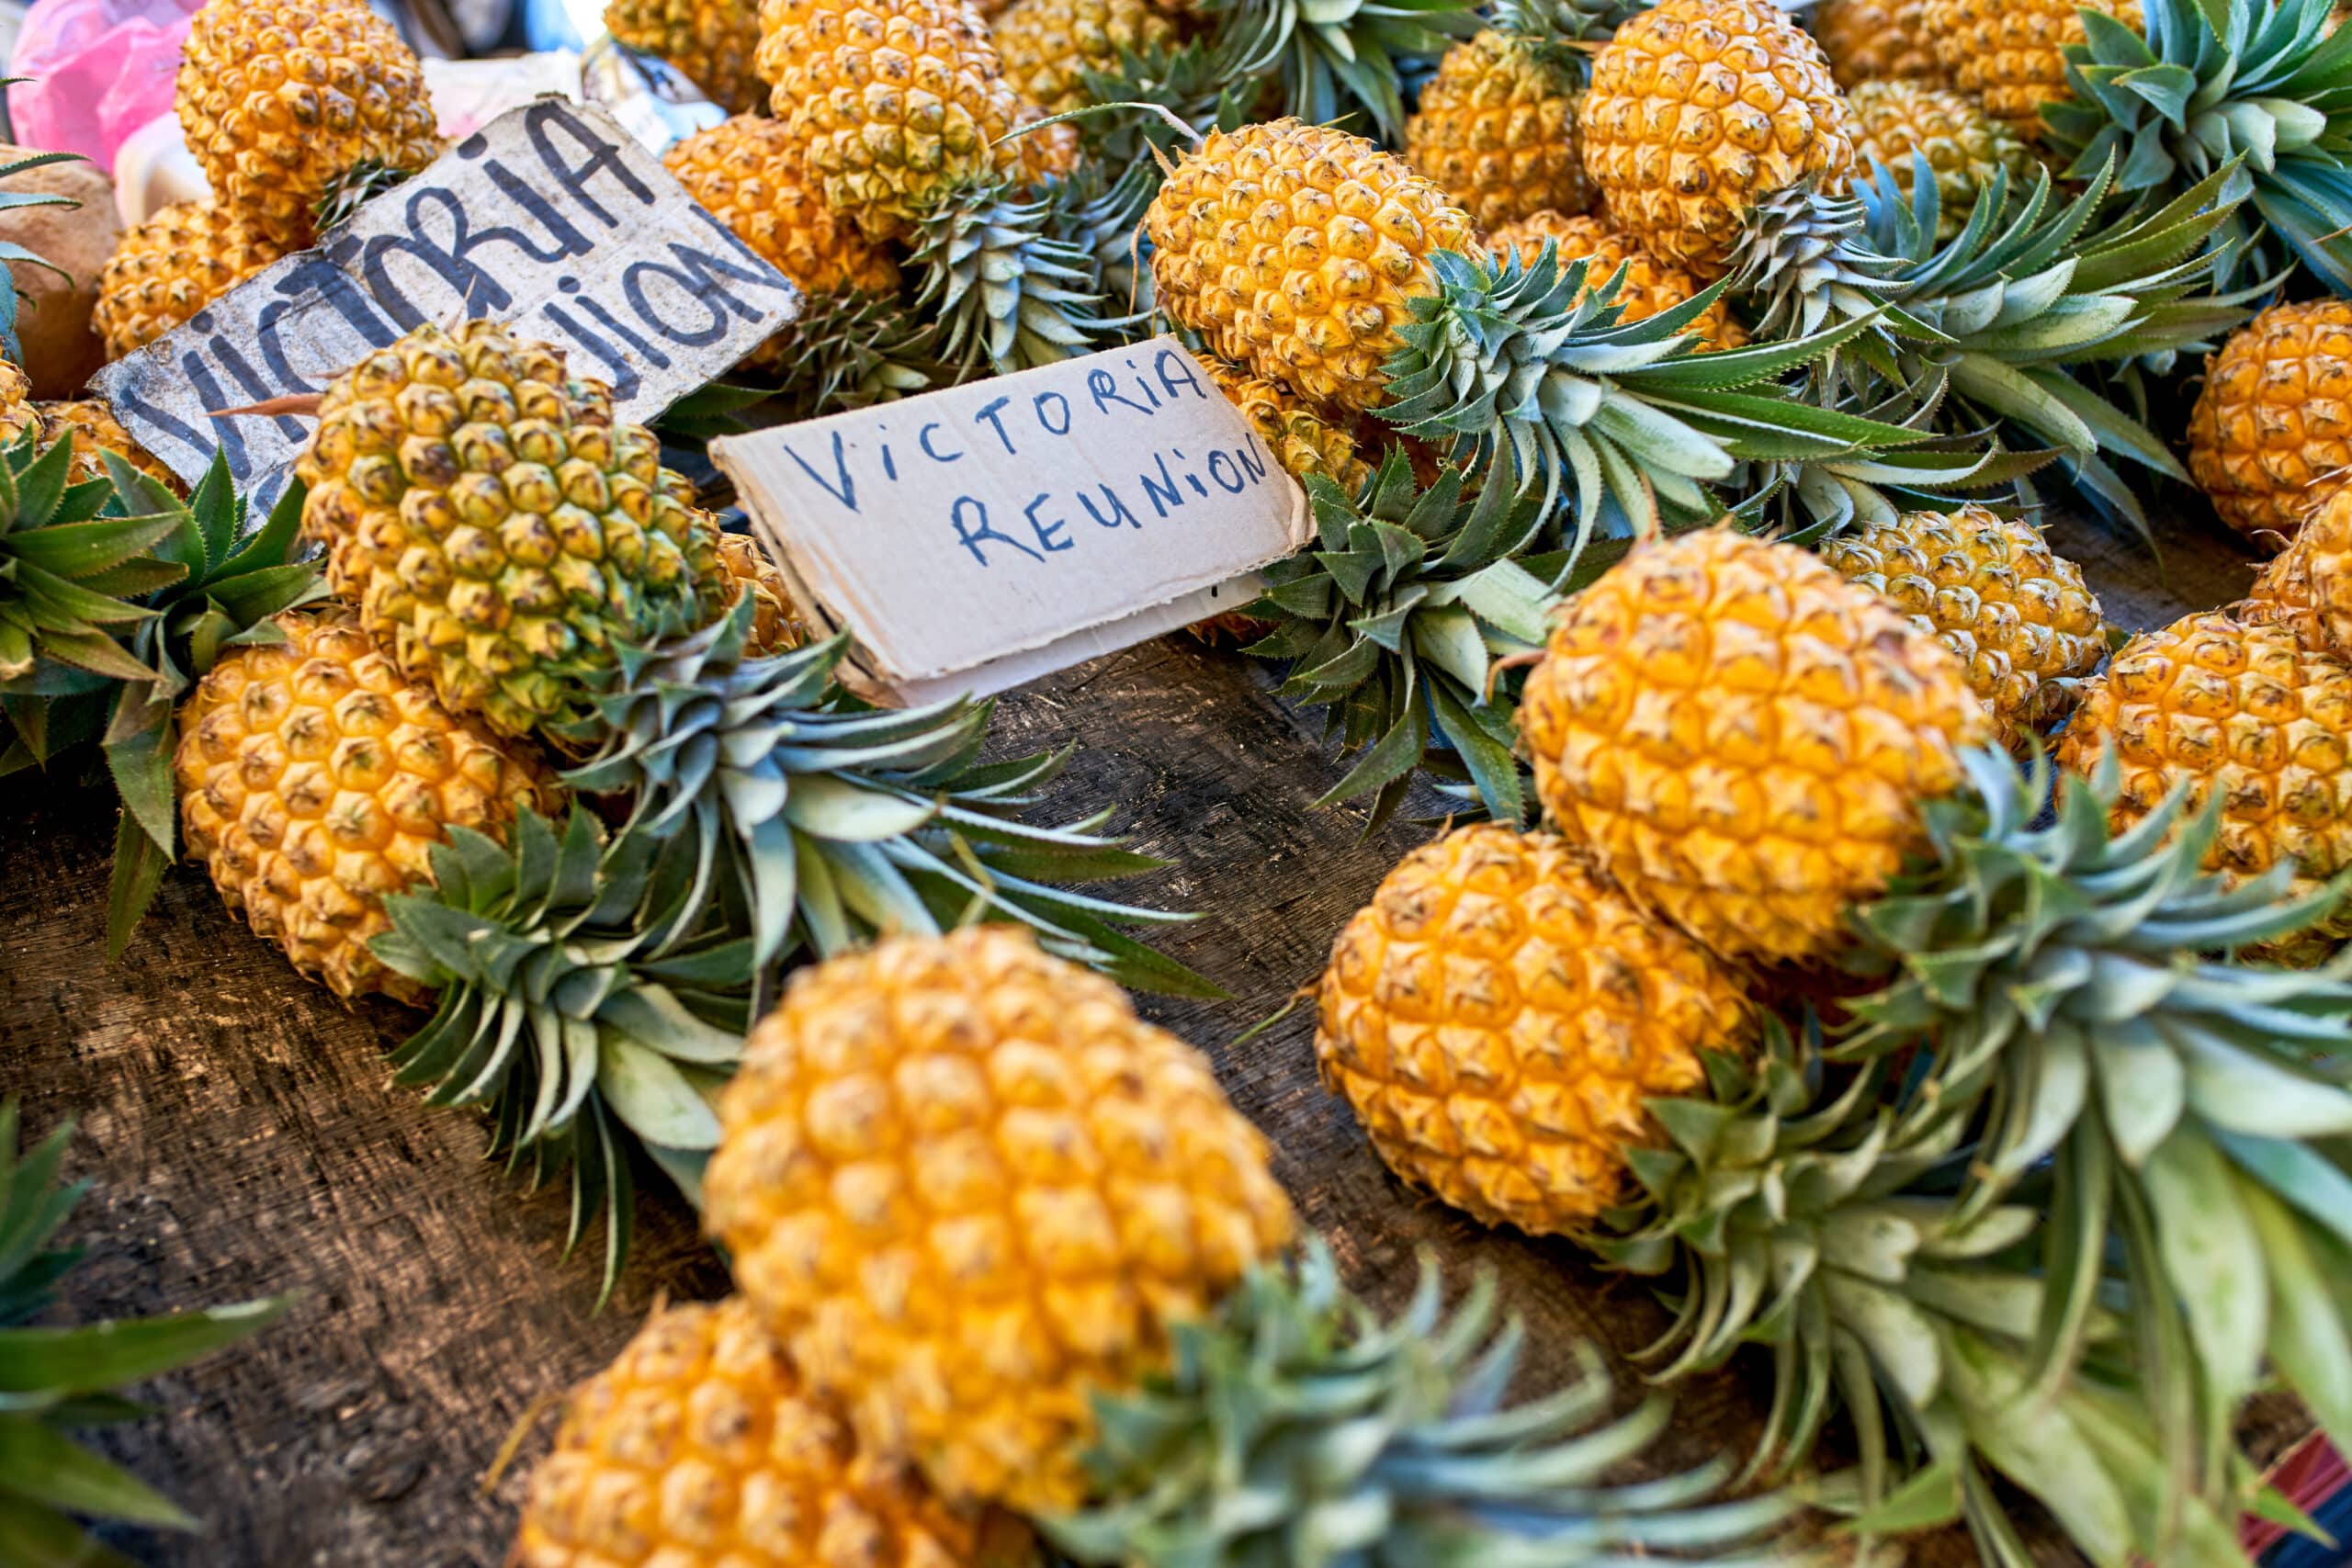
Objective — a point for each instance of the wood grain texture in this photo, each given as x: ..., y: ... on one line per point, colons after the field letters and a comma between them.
x: 245, y: 1140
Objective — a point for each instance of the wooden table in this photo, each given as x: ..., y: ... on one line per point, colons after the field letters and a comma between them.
x: 245, y: 1140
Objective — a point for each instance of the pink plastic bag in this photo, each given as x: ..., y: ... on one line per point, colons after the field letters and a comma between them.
x: 101, y: 70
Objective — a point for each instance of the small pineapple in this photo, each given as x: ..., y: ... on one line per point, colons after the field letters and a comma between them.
x: 2009, y: 55
x: 92, y: 428
x: 1966, y: 149
x: 2272, y: 431
x: 2282, y: 596
x: 1047, y: 44
x: 1875, y: 40
x: 2320, y: 558
x: 1497, y: 128
x: 775, y: 628
x: 315, y: 779
x: 278, y: 97
x: 18, y: 415
x: 171, y: 264
x: 1499, y: 1014
x: 1744, y: 739
x: 745, y: 171
x: 700, y: 1445
x: 1650, y: 286
x: 969, y: 1190
x: 1302, y: 440
x: 2018, y: 614
x: 711, y: 43
x: 1700, y: 110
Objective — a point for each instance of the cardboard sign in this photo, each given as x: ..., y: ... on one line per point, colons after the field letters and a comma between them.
x: 977, y: 537
x: 550, y: 217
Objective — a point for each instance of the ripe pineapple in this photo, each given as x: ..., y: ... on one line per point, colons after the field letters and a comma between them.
x: 1302, y: 440
x: 2322, y: 557
x: 499, y: 531
x: 1743, y: 738
x: 710, y: 41
x: 278, y: 97
x: 775, y: 628
x: 1967, y: 150
x: 1699, y: 110
x: 315, y: 779
x: 1650, y: 286
x: 700, y: 1445
x: 1871, y: 40
x: 2273, y: 427
x: 968, y: 1188
x: 171, y: 264
x: 746, y: 171
x: 2016, y: 613
x: 1497, y: 1016
x: 2243, y: 713
x: 92, y: 428
x: 1047, y: 44
x: 2009, y: 55
x: 2281, y: 596
x: 1497, y: 129
x: 19, y: 416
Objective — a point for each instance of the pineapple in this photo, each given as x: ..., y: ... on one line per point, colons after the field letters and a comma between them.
x: 1499, y: 1016
x: 500, y: 534
x: 775, y: 626
x: 2281, y: 596
x: 1497, y: 129
x: 171, y: 264
x: 710, y: 41
x: 2009, y: 55
x: 1302, y: 440
x: 2239, y: 713
x: 701, y: 1445
x: 1902, y: 121
x: 278, y: 97
x: 967, y: 1188
x: 2272, y: 431
x: 1702, y: 109
x: 2316, y: 572
x: 2016, y: 613
x: 1744, y: 739
x: 1046, y: 45
x: 314, y: 780
x: 1875, y: 40
x: 90, y: 426
x: 745, y: 172
x: 1650, y: 286
x: 20, y: 416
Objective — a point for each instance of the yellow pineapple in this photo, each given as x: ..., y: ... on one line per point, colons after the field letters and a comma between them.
x: 18, y: 417
x: 279, y: 98
x: 315, y: 779
x: 711, y: 43
x: 1874, y: 40
x: 500, y: 531
x: 1046, y: 44
x: 171, y: 264
x: 2322, y: 557
x: 1699, y: 109
x: 2009, y: 55
x: 1302, y: 440
x: 700, y: 1445
x: 1650, y: 286
x: 2271, y: 433
x: 2281, y: 596
x: 1966, y: 149
x: 775, y: 626
x: 967, y: 1189
x: 1499, y: 1014
x: 91, y: 426
x: 1744, y: 739
x: 1497, y: 129
x: 745, y: 171
x: 2018, y: 614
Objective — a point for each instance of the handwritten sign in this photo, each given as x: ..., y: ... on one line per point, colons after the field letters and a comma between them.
x: 977, y: 537
x: 550, y: 218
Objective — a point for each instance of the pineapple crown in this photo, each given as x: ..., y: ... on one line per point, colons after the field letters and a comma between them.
x: 351, y: 189
x: 1009, y: 286
x: 1566, y: 21
x: 852, y: 351
x: 1296, y: 1425
x: 586, y: 995
x: 1804, y: 254
x: 1339, y: 60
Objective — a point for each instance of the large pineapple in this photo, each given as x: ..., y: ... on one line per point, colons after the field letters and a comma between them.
x: 1902, y: 121
x: 315, y: 779
x: 90, y: 426
x: 1702, y: 109
x: 2019, y: 614
x: 967, y: 1188
x: 1048, y: 45
x: 279, y: 98
x: 1874, y: 40
x: 1497, y: 129
x: 1649, y: 287
x: 711, y: 41
x: 1303, y: 440
x: 700, y: 1445
x: 2271, y: 434
x: 171, y: 264
x: 500, y: 531
x: 1746, y: 740
x: 1500, y: 1015
x: 2009, y: 55
x: 746, y: 172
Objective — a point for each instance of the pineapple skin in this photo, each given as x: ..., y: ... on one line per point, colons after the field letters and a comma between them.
x: 1302, y: 440
x: 711, y: 41
x: 1044, y: 44
x: 498, y: 529
x: 2009, y: 55
x: 1698, y: 110
x: 1496, y: 130
x: 2282, y: 596
x: 965, y: 1187
x: 315, y: 779
x: 746, y: 172
x: 2018, y: 615
x: 1498, y: 1015
x: 91, y: 426
x: 2322, y: 557
x: 1744, y: 739
x: 700, y: 1447
x: 171, y: 264
x: 2242, y: 711
x: 278, y: 97
x: 19, y: 416
x: 1650, y: 286
x: 1296, y: 252
x: 1875, y: 40
x: 2271, y: 434
x: 1966, y: 147
x: 775, y: 628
